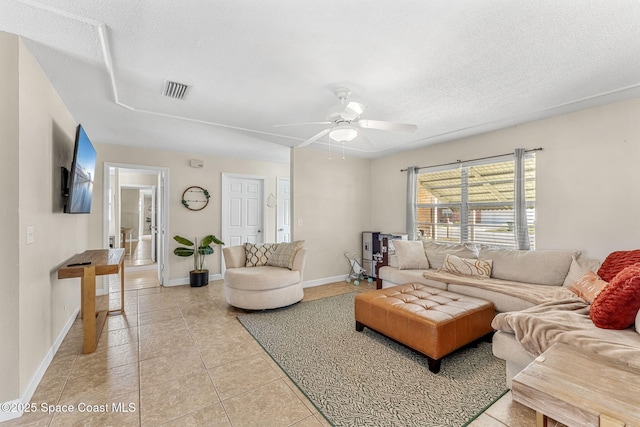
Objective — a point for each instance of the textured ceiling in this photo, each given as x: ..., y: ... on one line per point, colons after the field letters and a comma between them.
x: 453, y: 68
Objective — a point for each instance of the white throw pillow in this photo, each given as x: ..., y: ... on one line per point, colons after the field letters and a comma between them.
x: 638, y: 322
x: 410, y: 255
x: 437, y: 251
x: 467, y: 266
x: 284, y: 254
x: 580, y: 265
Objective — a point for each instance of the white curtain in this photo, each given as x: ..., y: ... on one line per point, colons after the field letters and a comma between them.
x: 520, y: 202
x: 412, y: 183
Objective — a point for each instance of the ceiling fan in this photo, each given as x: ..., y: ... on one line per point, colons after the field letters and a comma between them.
x: 345, y: 122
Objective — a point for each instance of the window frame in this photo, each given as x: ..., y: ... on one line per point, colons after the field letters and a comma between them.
x: 466, y: 207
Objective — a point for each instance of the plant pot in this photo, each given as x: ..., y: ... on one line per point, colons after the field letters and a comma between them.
x: 198, y: 278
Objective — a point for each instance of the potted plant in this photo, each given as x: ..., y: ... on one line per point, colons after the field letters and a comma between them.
x: 199, y: 276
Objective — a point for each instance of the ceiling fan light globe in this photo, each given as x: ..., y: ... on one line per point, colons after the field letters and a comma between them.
x: 343, y: 134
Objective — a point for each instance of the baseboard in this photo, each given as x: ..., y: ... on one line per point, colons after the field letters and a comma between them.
x: 324, y: 281
x: 306, y: 284
x: 37, y: 376
x: 185, y: 280
x: 153, y: 266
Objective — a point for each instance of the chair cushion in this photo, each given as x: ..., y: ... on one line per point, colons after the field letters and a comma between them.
x: 260, y: 278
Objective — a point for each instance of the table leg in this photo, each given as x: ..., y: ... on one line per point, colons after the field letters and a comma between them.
x: 121, y: 310
x: 122, y: 286
x: 88, y: 307
x: 541, y: 419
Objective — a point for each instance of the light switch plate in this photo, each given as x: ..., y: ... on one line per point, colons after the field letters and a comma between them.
x: 30, y: 234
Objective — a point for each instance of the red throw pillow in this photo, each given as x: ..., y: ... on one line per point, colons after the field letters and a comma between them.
x: 618, y: 303
x: 616, y: 262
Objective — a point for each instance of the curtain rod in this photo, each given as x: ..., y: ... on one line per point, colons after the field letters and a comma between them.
x: 457, y: 162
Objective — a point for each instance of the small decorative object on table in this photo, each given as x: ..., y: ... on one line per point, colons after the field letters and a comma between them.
x: 199, y: 276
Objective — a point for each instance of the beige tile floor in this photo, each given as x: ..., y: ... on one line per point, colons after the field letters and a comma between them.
x: 179, y: 357
x: 138, y: 253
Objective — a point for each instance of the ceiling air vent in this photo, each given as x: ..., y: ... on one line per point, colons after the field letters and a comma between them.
x: 175, y: 90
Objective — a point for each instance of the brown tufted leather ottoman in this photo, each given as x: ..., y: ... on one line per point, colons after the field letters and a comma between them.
x: 431, y: 321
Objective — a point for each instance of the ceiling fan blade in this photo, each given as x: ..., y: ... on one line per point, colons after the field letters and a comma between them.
x: 381, y: 125
x: 365, y: 139
x: 353, y: 110
x: 302, y: 124
x: 315, y: 137
x: 349, y: 111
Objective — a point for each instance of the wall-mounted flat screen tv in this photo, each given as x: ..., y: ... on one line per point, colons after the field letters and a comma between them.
x: 82, y: 174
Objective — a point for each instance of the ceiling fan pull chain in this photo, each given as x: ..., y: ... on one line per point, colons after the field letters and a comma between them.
x: 329, y: 149
x: 343, y: 151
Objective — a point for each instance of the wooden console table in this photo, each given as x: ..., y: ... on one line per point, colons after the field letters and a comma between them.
x: 579, y: 389
x: 87, y: 266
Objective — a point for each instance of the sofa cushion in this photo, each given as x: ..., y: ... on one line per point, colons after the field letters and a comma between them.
x: 467, y: 266
x: 616, y: 307
x: 615, y: 262
x: 437, y: 251
x: 394, y: 276
x: 285, y: 253
x: 588, y: 287
x: 539, y: 267
x: 410, y: 255
x: 257, y: 254
x: 260, y: 278
x: 580, y: 265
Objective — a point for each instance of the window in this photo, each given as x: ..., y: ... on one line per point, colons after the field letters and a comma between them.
x: 475, y: 202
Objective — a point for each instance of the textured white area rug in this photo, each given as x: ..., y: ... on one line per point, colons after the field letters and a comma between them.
x: 363, y: 378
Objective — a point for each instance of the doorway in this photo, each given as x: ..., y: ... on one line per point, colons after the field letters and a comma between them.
x: 134, y: 219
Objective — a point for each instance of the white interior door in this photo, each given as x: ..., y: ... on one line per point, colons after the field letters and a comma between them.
x: 242, y: 210
x: 283, y: 211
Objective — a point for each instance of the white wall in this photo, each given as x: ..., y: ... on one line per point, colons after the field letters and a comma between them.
x: 130, y: 211
x: 47, y: 131
x: 9, y: 257
x: 331, y: 207
x: 37, y: 139
x: 586, y: 195
x: 181, y: 220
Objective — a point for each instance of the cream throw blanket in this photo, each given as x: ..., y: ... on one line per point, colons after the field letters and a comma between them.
x: 535, y: 294
x: 568, y: 321
x: 559, y: 316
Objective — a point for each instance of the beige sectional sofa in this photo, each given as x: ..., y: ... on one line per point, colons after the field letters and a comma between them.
x: 529, y: 289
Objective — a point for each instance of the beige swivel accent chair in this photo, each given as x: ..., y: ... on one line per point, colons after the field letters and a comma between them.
x: 261, y: 287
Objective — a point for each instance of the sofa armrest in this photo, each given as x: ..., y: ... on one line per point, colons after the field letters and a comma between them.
x: 299, y: 261
x: 234, y: 256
